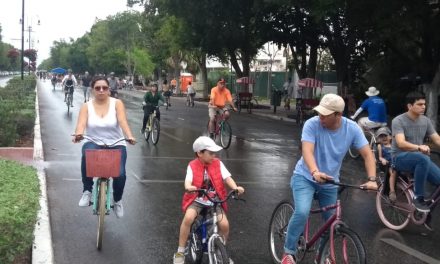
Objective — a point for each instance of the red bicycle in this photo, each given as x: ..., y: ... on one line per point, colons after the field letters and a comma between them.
x: 339, y: 243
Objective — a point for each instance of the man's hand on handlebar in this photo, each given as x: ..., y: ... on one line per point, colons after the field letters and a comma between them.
x: 240, y: 190
x: 321, y: 177
x: 369, y: 185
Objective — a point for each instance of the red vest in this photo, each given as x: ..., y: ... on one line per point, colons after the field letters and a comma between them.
x: 214, y: 174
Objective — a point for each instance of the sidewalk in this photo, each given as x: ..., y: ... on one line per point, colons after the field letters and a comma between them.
x: 263, y: 109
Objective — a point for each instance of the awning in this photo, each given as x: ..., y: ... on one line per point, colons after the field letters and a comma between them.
x: 245, y: 80
x: 58, y: 71
x: 310, y: 83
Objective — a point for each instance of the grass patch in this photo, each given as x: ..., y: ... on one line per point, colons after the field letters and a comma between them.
x: 19, y: 199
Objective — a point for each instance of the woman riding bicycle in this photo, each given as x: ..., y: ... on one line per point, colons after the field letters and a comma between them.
x: 103, y: 118
x: 151, y: 100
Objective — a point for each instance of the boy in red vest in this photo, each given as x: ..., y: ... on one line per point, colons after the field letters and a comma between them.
x: 204, y: 172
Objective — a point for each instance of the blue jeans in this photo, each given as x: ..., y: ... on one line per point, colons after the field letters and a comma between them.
x: 303, y: 191
x: 118, y: 183
x: 421, y: 166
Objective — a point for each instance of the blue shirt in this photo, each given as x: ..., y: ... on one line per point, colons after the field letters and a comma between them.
x: 331, y: 146
x: 376, y: 108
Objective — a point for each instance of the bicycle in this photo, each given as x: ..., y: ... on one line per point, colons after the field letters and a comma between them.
x: 69, y: 98
x: 102, y: 164
x: 190, y: 100
x: 370, y: 135
x: 153, y: 127
x: 223, y: 129
x: 300, y: 112
x: 167, y: 96
x: 397, y: 214
x: 338, y: 243
x: 204, y: 236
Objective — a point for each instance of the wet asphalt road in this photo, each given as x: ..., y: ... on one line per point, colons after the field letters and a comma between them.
x: 261, y: 158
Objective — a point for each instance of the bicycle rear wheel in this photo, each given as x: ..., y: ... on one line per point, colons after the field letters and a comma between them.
x: 219, y: 252
x: 102, y: 193
x: 155, y: 131
x: 348, y: 248
x: 278, y: 229
x: 225, y: 134
x: 393, y: 214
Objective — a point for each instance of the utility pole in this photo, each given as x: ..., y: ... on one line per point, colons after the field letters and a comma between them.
x: 22, y: 39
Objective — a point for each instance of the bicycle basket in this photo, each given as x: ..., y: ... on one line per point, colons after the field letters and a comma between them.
x: 103, y: 163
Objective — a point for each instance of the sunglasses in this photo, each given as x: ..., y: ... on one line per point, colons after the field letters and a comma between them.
x: 101, y: 88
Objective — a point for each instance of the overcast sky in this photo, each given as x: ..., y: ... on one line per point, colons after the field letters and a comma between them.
x: 59, y: 19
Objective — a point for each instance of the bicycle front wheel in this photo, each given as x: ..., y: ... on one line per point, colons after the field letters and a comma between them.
x: 394, y: 215
x: 219, y: 254
x: 155, y: 131
x: 225, y: 134
x: 353, y: 152
x: 348, y: 248
x: 102, y: 193
x: 278, y: 230
x: 194, y: 244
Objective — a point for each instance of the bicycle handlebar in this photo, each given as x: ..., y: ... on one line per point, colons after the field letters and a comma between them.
x: 346, y: 185
x: 98, y: 141
x: 232, y: 194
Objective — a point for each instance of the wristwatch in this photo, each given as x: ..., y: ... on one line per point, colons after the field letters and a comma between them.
x: 372, y: 179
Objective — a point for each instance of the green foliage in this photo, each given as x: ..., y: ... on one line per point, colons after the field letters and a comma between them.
x: 17, y: 110
x: 18, y: 213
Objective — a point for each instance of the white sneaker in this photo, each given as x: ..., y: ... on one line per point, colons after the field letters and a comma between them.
x: 230, y: 261
x: 179, y: 258
x: 85, y: 199
x: 119, y: 209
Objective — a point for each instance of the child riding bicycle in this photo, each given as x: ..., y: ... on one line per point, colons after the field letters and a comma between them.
x: 204, y: 172
x: 383, y: 136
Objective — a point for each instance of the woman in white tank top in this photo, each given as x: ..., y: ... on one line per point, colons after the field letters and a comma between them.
x: 103, y: 118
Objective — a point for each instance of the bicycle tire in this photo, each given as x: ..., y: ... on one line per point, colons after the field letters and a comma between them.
x: 353, y: 253
x: 353, y: 152
x: 225, y: 134
x: 278, y: 229
x: 220, y: 255
x: 194, y: 244
x: 102, y: 192
x: 155, y: 131
x: 147, y: 134
x: 390, y: 215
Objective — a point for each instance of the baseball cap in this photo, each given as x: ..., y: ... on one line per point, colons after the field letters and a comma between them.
x: 329, y: 104
x: 203, y: 142
x: 221, y: 80
x: 383, y: 131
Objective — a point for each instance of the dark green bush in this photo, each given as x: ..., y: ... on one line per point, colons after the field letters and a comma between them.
x: 17, y: 110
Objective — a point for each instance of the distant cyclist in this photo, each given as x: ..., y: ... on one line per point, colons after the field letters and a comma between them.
x: 166, y: 92
x: 376, y: 108
x: 85, y: 82
x: 220, y: 96
x: 69, y: 82
x: 113, y: 83
x: 151, y: 100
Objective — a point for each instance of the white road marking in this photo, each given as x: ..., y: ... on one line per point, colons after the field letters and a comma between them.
x: 181, y: 118
x: 171, y: 136
x: 410, y: 251
x: 70, y: 179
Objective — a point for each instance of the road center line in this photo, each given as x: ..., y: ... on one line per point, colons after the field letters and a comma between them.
x: 410, y: 251
x: 171, y: 136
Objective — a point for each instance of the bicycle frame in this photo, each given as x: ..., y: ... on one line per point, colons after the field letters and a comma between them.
x: 207, y: 246
x: 331, y: 223
x: 218, y: 122
x: 95, y: 195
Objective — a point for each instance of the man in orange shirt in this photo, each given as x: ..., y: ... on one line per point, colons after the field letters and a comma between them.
x: 220, y: 96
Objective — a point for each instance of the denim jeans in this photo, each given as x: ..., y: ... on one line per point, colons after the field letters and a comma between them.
x: 118, y: 183
x: 303, y: 191
x: 421, y: 166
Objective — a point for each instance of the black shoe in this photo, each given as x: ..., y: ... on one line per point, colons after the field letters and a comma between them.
x: 211, y: 135
x: 420, y: 205
x: 142, y: 131
x: 71, y: 105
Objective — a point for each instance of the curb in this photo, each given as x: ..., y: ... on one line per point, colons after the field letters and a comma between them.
x: 42, y: 251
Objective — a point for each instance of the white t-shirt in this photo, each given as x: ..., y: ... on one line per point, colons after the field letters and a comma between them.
x: 225, y: 173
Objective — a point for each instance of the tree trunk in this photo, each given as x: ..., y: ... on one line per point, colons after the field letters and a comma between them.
x: 204, y: 71
x: 432, y: 92
x: 311, y: 72
x: 235, y: 64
